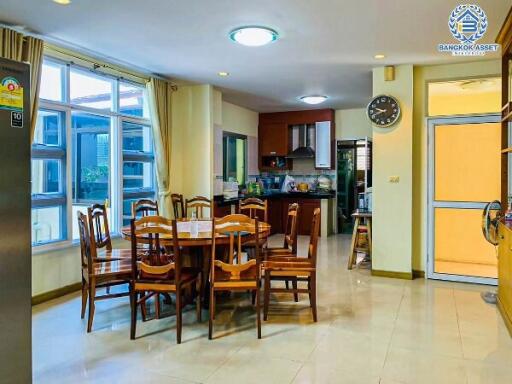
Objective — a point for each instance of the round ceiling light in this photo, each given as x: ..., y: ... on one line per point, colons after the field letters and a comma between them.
x: 62, y: 2
x: 253, y: 36
x: 223, y: 73
x: 379, y: 56
x: 314, y: 99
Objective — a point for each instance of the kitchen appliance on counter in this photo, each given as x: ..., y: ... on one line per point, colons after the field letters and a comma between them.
x: 303, y: 187
x: 324, y: 183
x: 288, y: 184
x: 230, y: 189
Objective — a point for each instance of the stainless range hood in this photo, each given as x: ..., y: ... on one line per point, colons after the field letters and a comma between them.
x: 304, y: 149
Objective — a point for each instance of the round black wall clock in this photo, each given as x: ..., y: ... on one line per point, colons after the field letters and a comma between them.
x: 383, y: 111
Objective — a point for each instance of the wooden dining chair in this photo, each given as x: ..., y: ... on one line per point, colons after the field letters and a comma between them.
x: 98, y: 274
x: 160, y: 273
x: 198, y: 204
x: 101, y: 241
x: 299, y: 268
x: 231, y: 276
x: 289, y: 247
x: 254, y: 208
x: 178, y: 206
x: 145, y: 207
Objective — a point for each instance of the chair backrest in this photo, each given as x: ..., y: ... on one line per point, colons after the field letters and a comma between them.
x: 236, y: 227
x: 156, y: 262
x: 98, y: 227
x: 254, y: 208
x: 178, y: 206
x: 198, y: 204
x: 290, y: 234
x: 85, y: 242
x: 144, y: 207
x: 313, y: 239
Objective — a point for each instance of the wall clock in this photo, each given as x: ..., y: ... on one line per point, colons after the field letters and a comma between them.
x: 383, y: 111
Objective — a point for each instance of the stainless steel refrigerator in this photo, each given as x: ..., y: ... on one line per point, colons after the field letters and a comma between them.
x: 15, y: 232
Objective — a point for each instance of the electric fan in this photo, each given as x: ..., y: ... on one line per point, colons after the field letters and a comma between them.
x: 490, y: 219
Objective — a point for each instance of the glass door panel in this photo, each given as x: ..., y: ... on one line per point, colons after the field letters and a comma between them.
x: 459, y: 247
x: 467, y: 163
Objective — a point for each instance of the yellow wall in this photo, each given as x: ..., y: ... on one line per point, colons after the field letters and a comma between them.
x: 352, y: 124
x: 392, y: 156
x: 464, y: 104
x: 192, y: 140
x: 240, y: 120
x: 423, y: 75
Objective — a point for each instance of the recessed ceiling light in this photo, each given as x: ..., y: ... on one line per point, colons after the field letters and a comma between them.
x: 223, y: 73
x: 62, y: 2
x: 253, y: 36
x: 379, y: 56
x: 313, y: 99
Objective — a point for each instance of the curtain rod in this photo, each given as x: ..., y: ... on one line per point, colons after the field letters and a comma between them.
x: 82, y: 54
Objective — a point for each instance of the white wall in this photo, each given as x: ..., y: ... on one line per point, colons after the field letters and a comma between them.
x: 240, y: 120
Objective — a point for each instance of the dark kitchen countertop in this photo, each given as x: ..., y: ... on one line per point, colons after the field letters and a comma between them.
x: 219, y: 199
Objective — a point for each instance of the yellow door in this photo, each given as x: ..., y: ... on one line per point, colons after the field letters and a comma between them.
x: 465, y: 167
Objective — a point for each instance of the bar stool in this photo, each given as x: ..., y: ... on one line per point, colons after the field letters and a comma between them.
x: 362, y: 224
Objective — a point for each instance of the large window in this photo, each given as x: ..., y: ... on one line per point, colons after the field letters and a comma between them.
x: 92, y: 144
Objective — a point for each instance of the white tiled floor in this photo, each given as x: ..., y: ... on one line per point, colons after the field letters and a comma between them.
x: 370, y: 330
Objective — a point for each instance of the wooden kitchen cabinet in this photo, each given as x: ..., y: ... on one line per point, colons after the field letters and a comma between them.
x: 273, y: 139
x: 275, y: 215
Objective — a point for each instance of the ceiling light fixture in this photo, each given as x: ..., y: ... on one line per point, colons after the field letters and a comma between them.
x: 313, y: 99
x: 223, y: 74
x: 253, y: 36
x: 379, y: 56
x: 62, y: 2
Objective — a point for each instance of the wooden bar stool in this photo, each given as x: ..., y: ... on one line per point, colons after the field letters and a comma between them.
x: 363, y: 223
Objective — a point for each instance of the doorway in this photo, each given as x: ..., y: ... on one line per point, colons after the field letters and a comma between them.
x: 464, y: 170
x: 354, y: 179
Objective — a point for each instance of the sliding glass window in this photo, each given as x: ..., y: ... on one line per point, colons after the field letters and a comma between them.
x: 92, y: 144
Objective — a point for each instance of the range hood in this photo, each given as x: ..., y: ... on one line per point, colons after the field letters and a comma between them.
x: 304, y: 149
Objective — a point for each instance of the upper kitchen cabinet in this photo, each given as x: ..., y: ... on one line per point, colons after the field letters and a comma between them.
x: 276, y: 138
x: 273, y: 139
x: 323, y: 145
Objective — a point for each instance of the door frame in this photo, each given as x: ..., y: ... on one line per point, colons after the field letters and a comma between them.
x: 431, y: 204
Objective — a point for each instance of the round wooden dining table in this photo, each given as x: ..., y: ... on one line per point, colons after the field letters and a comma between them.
x: 202, y: 242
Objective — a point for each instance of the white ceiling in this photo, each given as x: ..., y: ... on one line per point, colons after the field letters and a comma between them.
x: 326, y: 46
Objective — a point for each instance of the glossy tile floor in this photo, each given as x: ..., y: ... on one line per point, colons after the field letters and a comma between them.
x: 370, y: 330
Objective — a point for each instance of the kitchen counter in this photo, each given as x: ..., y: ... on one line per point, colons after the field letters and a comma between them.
x: 221, y: 201
x: 278, y: 207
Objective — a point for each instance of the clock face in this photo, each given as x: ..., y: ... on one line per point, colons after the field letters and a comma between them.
x: 383, y: 111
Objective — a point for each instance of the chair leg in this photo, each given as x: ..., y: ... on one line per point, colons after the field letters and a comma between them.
x: 287, y: 284
x: 133, y: 321
x: 199, y: 289
x: 143, y: 310
x: 313, y: 296
x: 84, y: 298
x: 157, y: 305
x: 266, y: 293
x: 212, y: 313
x: 294, y: 285
x: 178, y: 315
x: 108, y: 290
x: 258, y: 317
x: 92, y: 295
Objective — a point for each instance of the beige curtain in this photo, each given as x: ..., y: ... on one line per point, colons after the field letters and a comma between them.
x: 15, y: 46
x: 160, y: 95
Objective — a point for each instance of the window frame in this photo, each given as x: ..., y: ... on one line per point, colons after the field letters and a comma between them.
x: 116, y: 154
